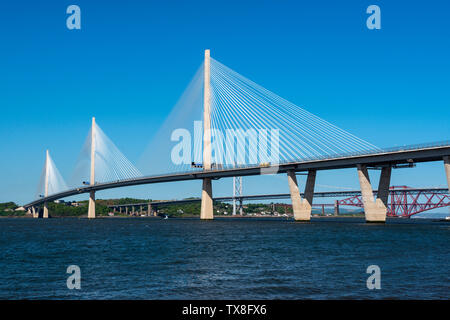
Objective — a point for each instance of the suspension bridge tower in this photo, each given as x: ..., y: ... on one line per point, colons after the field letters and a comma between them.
x: 206, y: 212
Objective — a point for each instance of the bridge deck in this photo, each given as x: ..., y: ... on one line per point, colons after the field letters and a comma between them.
x: 402, y: 155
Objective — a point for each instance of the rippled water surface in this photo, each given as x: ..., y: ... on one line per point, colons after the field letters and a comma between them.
x: 146, y: 258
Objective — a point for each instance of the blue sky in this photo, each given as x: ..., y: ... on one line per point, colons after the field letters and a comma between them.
x: 131, y: 61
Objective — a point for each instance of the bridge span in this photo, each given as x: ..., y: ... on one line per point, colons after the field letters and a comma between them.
x: 389, y: 158
x: 381, y: 160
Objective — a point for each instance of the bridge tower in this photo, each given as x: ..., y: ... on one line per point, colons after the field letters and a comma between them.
x: 47, y: 173
x: 206, y: 212
x: 374, y: 210
x: 237, y: 192
x: 91, y: 210
x: 302, y: 207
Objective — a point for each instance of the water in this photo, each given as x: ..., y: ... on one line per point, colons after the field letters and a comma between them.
x: 146, y: 258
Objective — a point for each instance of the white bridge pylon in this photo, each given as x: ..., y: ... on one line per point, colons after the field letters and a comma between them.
x: 101, y: 161
x: 50, y: 182
x: 106, y: 163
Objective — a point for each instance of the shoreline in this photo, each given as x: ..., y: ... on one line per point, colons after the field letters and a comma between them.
x: 191, y: 217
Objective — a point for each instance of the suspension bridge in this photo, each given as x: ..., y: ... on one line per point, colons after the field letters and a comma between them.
x: 246, y: 130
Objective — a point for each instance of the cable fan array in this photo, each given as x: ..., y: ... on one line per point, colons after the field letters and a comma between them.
x: 51, y: 180
x: 250, y: 126
x: 110, y: 163
x: 245, y: 108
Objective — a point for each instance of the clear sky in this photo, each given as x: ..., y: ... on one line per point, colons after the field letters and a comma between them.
x: 131, y: 61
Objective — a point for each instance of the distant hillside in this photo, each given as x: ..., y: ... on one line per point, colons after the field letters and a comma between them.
x: 79, y: 208
x: 7, y: 209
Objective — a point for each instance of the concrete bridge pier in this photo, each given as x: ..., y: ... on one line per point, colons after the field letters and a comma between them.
x: 302, y: 207
x: 45, y: 213
x: 374, y: 210
x: 34, y: 212
x: 447, y: 170
x: 91, y: 210
x: 206, y: 211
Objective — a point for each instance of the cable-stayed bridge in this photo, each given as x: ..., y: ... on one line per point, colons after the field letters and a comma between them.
x: 246, y: 130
